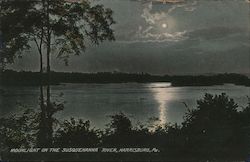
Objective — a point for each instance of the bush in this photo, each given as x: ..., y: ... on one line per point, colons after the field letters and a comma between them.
x: 76, y: 133
x: 214, y: 129
x: 18, y: 131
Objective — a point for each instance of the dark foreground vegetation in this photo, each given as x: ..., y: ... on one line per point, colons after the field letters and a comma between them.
x: 217, y: 130
x: 10, y: 77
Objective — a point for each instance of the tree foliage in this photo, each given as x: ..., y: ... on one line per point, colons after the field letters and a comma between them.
x: 73, y: 133
x: 216, y: 129
x: 59, y: 26
x: 18, y: 130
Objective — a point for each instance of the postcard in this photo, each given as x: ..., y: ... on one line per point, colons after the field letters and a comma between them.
x: 124, y: 80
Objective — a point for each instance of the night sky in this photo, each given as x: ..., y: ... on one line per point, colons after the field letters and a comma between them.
x: 173, y: 37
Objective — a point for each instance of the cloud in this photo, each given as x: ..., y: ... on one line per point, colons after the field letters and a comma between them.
x: 148, y: 36
x: 217, y: 32
x: 161, y: 1
x: 155, y: 13
x: 152, y: 30
x: 187, y: 5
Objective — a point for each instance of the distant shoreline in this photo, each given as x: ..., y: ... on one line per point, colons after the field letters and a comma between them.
x: 10, y: 77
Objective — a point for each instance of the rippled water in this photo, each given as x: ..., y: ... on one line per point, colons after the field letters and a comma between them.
x: 140, y: 101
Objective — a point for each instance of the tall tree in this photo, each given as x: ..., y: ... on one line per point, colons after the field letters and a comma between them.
x: 62, y: 24
x: 58, y: 27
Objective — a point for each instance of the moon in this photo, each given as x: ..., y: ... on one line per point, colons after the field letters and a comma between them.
x: 164, y: 25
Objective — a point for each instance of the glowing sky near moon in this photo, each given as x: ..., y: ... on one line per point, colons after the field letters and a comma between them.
x: 164, y: 25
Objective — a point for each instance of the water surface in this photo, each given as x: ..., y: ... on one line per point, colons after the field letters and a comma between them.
x: 139, y: 101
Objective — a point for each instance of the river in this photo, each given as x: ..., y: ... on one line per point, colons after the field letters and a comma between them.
x: 95, y: 102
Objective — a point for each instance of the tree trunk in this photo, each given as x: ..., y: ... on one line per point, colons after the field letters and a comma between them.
x: 49, y: 104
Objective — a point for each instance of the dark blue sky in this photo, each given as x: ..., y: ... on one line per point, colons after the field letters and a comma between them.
x: 189, y: 37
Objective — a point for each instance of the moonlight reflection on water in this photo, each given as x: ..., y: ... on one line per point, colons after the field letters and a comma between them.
x: 95, y: 102
x: 162, y: 97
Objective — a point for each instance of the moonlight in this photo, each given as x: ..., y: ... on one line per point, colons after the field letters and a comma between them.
x: 164, y: 25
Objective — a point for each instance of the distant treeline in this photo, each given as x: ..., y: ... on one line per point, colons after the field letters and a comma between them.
x: 10, y: 77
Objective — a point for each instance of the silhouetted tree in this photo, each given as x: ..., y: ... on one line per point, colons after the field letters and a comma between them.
x: 119, y: 131
x: 213, y: 129
x: 120, y: 124
x: 59, y: 27
x: 216, y: 130
x: 76, y: 133
x: 244, y: 119
x: 18, y: 131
